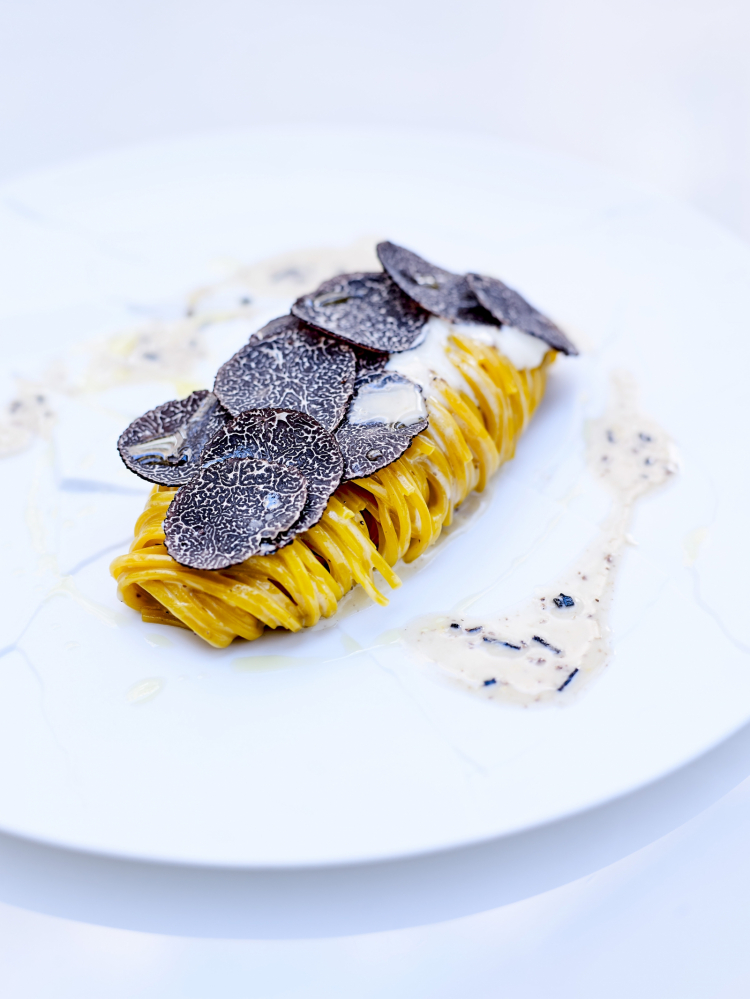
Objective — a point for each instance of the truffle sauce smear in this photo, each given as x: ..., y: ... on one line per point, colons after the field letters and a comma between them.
x: 549, y: 648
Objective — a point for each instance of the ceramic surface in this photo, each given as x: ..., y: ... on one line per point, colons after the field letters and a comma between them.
x: 139, y: 740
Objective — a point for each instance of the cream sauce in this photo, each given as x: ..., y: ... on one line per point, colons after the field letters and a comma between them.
x: 430, y: 359
x: 547, y: 649
x: 521, y: 349
x: 387, y: 402
x: 287, y: 275
x: 170, y: 351
x: 27, y: 416
x: 163, y: 351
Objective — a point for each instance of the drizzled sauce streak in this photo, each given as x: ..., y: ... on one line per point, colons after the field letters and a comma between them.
x: 547, y: 649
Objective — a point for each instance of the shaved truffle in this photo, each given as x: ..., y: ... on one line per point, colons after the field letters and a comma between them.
x: 511, y: 308
x: 164, y: 445
x: 279, y: 325
x: 228, y: 510
x: 439, y: 291
x: 286, y: 436
x: 287, y: 365
x: 369, y: 362
x: 386, y: 413
x: 366, y: 309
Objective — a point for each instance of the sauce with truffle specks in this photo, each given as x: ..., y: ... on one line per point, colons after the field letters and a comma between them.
x: 548, y: 649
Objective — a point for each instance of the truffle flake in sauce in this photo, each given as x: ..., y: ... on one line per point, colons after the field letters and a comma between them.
x: 547, y: 649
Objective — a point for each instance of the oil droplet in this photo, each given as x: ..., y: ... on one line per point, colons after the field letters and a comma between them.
x: 692, y: 545
x: 67, y: 587
x: 157, y: 640
x: 350, y: 645
x: 145, y: 690
x: 263, y: 664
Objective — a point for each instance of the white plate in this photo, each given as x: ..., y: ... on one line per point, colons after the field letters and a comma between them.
x: 139, y: 740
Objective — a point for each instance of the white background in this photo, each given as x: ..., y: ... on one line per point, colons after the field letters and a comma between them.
x: 659, y: 91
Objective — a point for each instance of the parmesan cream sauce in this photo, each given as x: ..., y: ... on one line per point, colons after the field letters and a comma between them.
x: 392, y: 402
x: 549, y: 648
x: 169, y: 350
x: 430, y: 359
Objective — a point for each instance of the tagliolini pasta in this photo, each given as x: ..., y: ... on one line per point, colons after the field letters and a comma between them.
x: 369, y: 524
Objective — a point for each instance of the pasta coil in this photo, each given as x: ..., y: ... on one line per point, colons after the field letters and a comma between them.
x: 368, y: 525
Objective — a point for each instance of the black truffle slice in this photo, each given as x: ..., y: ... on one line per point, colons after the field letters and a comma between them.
x: 279, y: 325
x: 289, y: 366
x: 386, y: 413
x: 289, y: 437
x: 366, y: 309
x: 369, y: 362
x: 511, y: 308
x: 164, y: 445
x: 439, y: 291
x: 225, y: 513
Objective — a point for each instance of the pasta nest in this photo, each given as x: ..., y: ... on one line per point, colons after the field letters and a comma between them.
x: 368, y: 525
